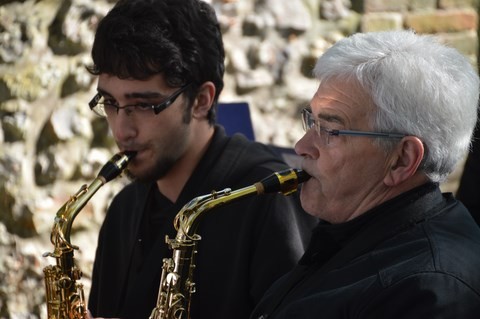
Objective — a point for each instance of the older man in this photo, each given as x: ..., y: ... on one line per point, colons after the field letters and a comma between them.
x: 393, y: 114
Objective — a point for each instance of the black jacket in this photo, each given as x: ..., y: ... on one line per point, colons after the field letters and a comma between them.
x: 469, y: 187
x: 416, y: 256
x: 245, y: 245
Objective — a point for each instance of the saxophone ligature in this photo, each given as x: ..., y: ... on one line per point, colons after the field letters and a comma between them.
x: 64, y: 295
x: 176, y: 281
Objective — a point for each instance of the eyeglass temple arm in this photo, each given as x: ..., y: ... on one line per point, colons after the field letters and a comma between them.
x: 94, y: 101
x: 375, y: 134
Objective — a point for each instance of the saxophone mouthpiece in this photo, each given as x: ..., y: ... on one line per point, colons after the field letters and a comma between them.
x: 116, y: 165
x: 285, y: 181
x: 302, y: 176
x: 130, y: 154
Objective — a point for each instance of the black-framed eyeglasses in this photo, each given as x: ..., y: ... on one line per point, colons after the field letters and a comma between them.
x: 310, y: 122
x: 106, y: 108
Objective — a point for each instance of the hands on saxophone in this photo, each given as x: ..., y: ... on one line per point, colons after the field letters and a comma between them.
x: 65, y: 296
x: 176, y: 281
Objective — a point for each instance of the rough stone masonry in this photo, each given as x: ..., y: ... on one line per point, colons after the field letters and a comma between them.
x: 51, y: 143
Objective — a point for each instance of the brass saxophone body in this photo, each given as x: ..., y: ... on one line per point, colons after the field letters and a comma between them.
x: 64, y: 295
x: 176, y: 281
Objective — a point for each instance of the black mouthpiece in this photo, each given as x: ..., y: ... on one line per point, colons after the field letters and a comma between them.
x: 116, y: 165
x: 130, y: 154
x: 285, y: 181
x: 302, y: 176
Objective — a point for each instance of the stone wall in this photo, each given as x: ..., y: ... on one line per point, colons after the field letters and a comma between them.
x: 51, y: 144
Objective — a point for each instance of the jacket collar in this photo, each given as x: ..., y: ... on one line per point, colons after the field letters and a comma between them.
x: 340, y: 242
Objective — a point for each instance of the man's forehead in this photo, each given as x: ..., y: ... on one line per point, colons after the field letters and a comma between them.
x: 340, y: 101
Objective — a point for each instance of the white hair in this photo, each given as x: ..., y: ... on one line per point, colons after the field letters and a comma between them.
x: 418, y: 86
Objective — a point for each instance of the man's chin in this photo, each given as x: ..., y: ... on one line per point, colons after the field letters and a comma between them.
x: 144, y: 177
x: 129, y: 175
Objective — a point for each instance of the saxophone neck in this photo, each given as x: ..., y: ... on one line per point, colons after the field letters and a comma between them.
x: 187, y: 219
x: 285, y: 182
x: 69, y: 211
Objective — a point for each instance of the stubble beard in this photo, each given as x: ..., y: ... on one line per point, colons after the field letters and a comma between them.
x: 164, y: 164
x: 156, y: 172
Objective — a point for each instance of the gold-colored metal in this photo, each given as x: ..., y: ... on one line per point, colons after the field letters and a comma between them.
x: 65, y: 296
x: 176, y: 282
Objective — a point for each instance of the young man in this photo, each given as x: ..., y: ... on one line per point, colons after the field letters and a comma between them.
x: 393, y: 114
x: 160, y: 66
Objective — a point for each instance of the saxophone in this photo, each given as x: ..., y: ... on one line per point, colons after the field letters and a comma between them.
x: 176, y: 281
x: 65, y: 297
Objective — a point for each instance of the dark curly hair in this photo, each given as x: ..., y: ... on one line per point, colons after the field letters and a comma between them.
x: 180, y: 39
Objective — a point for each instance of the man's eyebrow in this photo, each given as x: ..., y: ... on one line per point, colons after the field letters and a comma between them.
x: 135, y: 95
x: 103, y: 92
x: 329, y: 117
x: 144, y: 95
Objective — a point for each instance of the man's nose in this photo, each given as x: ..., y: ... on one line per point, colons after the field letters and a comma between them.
x: 305, y: 146
x: 123, y: 126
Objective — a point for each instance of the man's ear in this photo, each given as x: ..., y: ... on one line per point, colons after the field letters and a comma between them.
x: 404, y: 160
x: 204, y: 100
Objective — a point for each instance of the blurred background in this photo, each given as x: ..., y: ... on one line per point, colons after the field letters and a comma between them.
x: 51, y: 143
